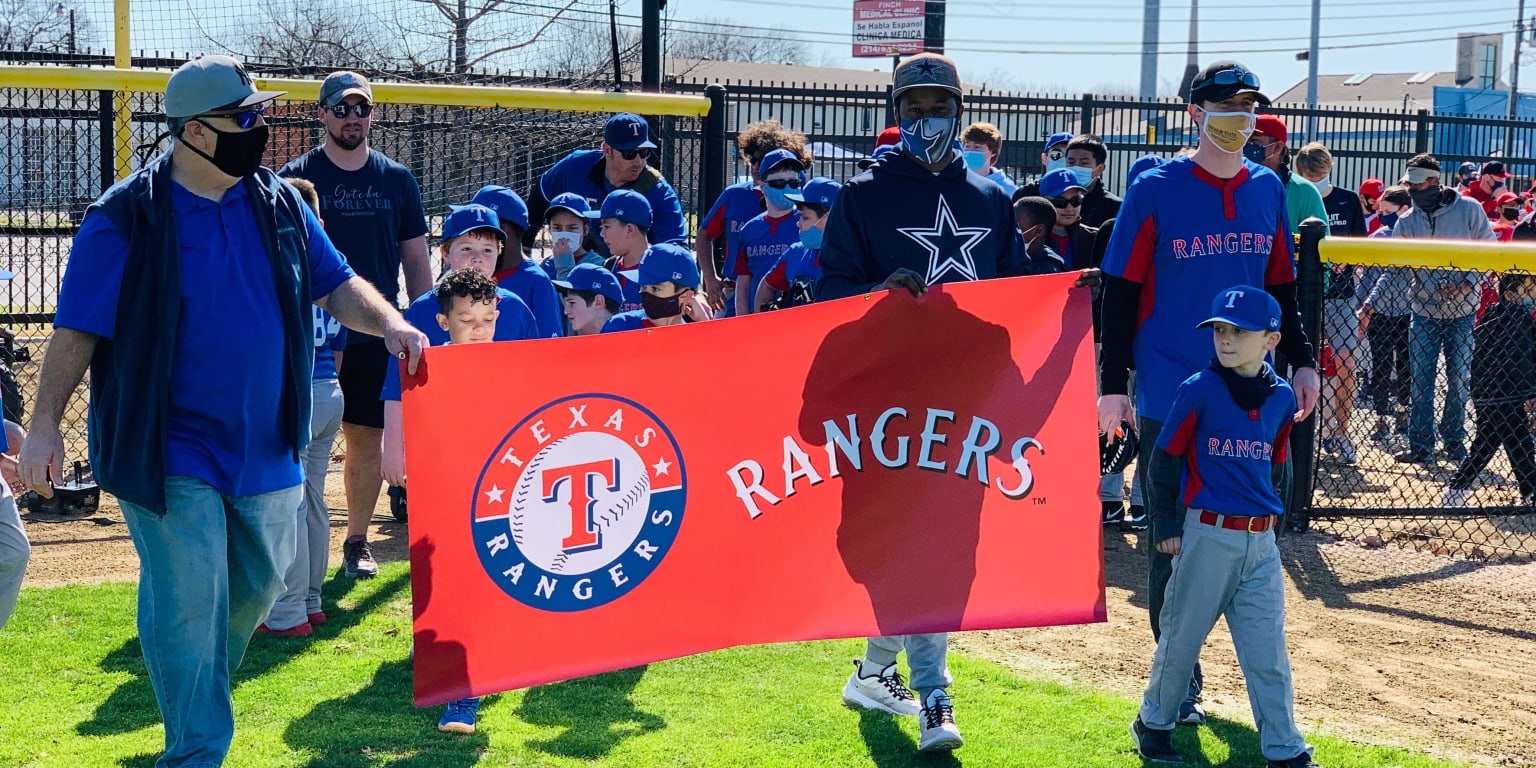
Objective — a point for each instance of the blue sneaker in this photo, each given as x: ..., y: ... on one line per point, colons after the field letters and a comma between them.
x: 459, y: 717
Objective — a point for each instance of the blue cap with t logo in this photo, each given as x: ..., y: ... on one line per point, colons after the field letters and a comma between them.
x: 1247, y: 307
x: 464, y: 218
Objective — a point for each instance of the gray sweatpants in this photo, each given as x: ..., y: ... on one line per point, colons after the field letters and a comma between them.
x: 1237, y: 574
x: 927, y: 655
x: 14, y: 553
x: 305, y: 576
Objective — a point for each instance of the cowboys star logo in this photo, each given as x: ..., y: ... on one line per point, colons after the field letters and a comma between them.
x: 949, y: 245
x: 579, y: 503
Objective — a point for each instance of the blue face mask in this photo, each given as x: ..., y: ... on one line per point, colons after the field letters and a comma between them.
x: 811, y: 238
x: 975, y: 160
x: 1254, y: 153
x: 777, y: 198
x: 1054, y: 164
x: 929, y: 139
x: 1387, y: 219
x: 1083, y: 173
x: 1527, y: 302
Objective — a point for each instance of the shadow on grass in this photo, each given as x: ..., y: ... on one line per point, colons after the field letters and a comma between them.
x: 1242, y: 741
x: 354, y: 731
x: 132, y: 706
x: 139, y: 761
x: 596, y: 713
x: 890, y: 747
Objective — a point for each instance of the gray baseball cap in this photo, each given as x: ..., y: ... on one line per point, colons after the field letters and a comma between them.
x: 926, y: 70
x: 211, y: 84
x: 339, y: 85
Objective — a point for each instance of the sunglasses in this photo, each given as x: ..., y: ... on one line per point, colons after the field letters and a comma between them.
x: 246, y: 119
x: 1235, y: 76
x: 361, y: 109
x: 782, y: 183
x: 1065, y: 202
x: 630, y: 154
x: 1056, y: 154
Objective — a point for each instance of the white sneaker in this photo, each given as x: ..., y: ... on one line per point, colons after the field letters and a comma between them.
x: 937, y: 724
x: 884, y: 691
x: 1456, y: 497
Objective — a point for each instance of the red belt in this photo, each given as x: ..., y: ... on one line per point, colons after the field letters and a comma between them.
x: 1238, y: 523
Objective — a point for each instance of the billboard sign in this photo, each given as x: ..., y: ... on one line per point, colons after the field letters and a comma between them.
x: 887, y: 27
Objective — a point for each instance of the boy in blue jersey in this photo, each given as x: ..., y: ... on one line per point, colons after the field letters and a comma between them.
x: 917, y: 218
x: 591, y: 295
x: 669, y: 292
x: 596, y: 173
x: 569, y: 236
x: 1192, y: 227
x: 515, y: 273
x: 1222, y: 454
x: 797, y: 271
x: 297, y: 611
x: 738, y: 204
x: 624, y: 224
x: 768, y: 235
x: 472, y: 238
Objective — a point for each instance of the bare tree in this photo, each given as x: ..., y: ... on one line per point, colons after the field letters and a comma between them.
x: 320, y: 34
x: 582, y: 51
x: 470, y: 33
x: 720, y: 40
x: 45, y: 25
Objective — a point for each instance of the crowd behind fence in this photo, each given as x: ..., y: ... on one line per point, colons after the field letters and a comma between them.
x: 59, y: 148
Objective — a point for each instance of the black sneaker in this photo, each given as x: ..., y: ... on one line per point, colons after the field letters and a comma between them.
x: 1111, y: 512
x: 1413, y: 456
x: 1383, y: 433
x: 1191, y: 713
x: 1156, y: 746
x: 1302, y: 760
x: 1456, y: 453
x: 357, y: 559
x: 1136, y: 520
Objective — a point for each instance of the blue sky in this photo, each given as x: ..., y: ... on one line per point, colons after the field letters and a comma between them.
x: 1095, y: 44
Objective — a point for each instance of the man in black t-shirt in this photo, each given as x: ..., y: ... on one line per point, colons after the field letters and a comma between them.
x: 372, y: 209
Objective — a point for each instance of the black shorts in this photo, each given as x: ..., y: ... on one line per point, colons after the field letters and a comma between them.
x: 362, y: 380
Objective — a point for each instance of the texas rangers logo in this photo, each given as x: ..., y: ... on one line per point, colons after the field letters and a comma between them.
x: 579, y: 503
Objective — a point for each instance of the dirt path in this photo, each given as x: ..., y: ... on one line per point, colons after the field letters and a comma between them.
x: 1388, y: 645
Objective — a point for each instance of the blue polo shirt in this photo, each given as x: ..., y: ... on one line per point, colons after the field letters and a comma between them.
x: 1228, y: 452
x: 575, y: 173
x: 515, y: 323
x: 330, y: 338
x: 227, y: 369
x: 1184, y: 235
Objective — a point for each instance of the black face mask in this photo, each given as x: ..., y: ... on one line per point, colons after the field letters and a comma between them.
x: 1510, y: 213
x: 1387, y: 219
x: 238, y: 153
x: 657, y: 308
x: 1426, y: 199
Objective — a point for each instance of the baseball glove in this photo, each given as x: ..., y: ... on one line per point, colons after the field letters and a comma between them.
x: 1116, y: 451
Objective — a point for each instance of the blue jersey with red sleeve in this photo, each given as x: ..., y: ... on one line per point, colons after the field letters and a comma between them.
x: 515, y: 323
x: 534, y: 287
x: 330, y: 338
x: 631, y: 288
x: 1184, y: 235
x: 1228, y: 453
x: 627, y: 321
x: 737, y: 205
x: 797, y: 263
x: 761, y: 242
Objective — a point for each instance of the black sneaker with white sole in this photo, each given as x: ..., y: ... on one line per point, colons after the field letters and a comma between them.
x: 1191, y: 713
x: 1136, y: 519
x: 357, y: 559
x: 1111, y: 511
x: 1156, y: 746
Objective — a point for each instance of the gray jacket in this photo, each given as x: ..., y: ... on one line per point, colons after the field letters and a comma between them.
x: 1457, y: 218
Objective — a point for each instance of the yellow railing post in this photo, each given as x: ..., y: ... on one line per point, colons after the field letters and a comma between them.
x: 122, y: 122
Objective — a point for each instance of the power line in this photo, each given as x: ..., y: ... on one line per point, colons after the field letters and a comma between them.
x: 1002, y: 16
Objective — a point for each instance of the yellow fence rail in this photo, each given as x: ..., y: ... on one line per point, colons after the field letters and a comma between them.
x: 1483, y: 256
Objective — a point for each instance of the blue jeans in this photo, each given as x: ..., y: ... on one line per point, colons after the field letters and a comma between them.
x: 209, y: 570
x: 1427, y: 338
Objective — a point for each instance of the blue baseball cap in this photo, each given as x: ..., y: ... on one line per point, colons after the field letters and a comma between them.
x: 1142, y: 165
x: 874, y: 157
x: 508, y: 205
x: 571, y: 202
x: 625, y: 131
x: 1057, y: 182
x: 595, y: 278
x: 464, y: 218
x: 1247, y: 307
x: 776, y: 158
x: 667, y: 262
x: 819, y: 191
x: 627, y: 206
x: 1058, y: 138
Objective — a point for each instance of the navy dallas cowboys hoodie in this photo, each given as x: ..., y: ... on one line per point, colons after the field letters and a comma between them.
x: 948, y: 226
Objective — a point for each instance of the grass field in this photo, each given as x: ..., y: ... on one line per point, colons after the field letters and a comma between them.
x: 73, y: 688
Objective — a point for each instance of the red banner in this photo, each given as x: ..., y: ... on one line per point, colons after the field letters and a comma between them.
x: 877, y: 465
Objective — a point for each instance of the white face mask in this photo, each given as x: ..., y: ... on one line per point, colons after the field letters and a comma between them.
x: 1323, y: 185
x: 1228, y: 131
x: 572, y: 239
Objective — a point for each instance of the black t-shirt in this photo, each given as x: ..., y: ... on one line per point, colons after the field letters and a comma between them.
x: 367, y: 213
x: 1345, y: 219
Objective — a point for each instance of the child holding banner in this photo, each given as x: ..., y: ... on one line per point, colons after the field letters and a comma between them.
x: 1224, y: 450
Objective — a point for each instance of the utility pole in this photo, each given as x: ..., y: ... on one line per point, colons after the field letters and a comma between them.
x: 461, y: 39
x: 1514, y: 80
x: 933, y: 26
x: 1192, y: 63
x: 1149, y: 24
x: 1317, y: 13
x: 650, y: 45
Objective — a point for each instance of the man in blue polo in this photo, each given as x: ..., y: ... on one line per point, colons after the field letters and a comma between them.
x: 619, y: 164
x: 188, y: 296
